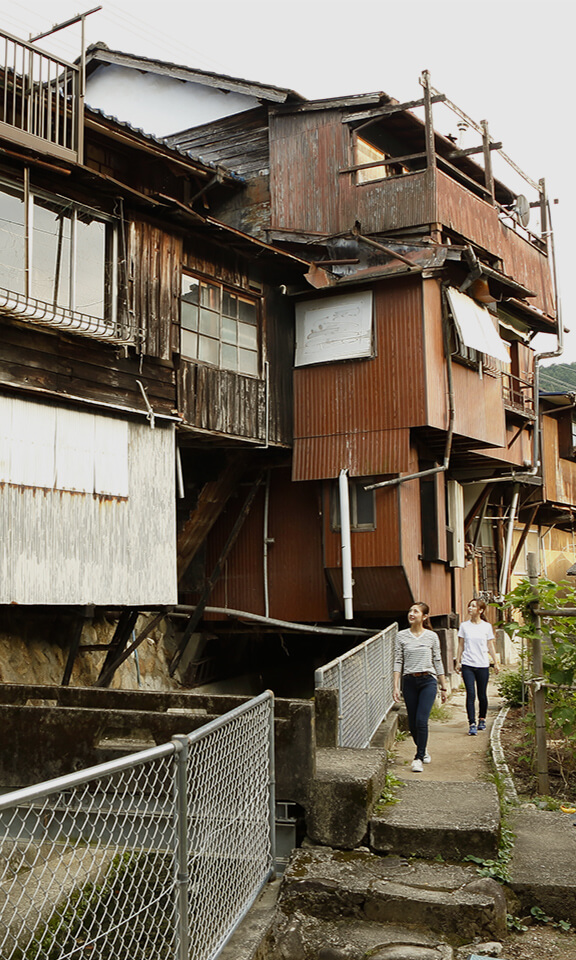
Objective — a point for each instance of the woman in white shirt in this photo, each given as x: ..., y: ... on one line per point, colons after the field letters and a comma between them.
x: 475, y: 647
x: 418, y: 663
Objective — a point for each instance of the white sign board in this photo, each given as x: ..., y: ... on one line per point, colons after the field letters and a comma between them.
x: 334, y: 328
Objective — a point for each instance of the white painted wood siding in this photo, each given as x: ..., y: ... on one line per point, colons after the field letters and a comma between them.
x: 110, y: 538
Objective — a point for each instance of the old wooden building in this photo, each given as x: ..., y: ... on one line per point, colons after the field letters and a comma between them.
x: 145, y: 369
x: 414, y: 370
x: 275, y: 368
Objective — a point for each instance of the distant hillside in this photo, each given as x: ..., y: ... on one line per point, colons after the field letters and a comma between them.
x: 559, y: 377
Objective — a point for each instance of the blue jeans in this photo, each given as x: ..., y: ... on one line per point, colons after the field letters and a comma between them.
x: 476, y: 679
x: 419, y: 696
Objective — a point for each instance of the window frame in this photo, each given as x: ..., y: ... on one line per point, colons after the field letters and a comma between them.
x: 203, y: 314
x: 354, y: 484
x: 33, y: 198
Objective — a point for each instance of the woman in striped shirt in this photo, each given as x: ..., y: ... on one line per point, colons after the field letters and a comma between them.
x: 417, y: 661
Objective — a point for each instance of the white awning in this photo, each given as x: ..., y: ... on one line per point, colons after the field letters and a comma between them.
x: 475, y: 326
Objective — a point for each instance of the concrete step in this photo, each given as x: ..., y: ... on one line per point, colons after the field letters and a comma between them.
x: 343, y: 795
x: 543, y: 864
x: 450, y: 901
x: 439, y: 820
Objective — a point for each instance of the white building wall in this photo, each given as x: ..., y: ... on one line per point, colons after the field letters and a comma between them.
x: 160, y: 105
x: 62, y: 546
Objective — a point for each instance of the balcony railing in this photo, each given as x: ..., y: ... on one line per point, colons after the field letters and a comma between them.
x: 518, y: 394
x: 40, y: 99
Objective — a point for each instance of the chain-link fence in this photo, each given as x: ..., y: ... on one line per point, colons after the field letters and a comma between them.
x: 155, y: 856
x: 365, y: 681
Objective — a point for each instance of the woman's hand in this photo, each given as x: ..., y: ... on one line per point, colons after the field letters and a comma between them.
x: 457, y: 666
x: 443, y: 695
x: 396, y: 695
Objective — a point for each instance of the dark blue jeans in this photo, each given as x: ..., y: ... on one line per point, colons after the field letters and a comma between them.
x: 476, y: 679
x: 419, y: 696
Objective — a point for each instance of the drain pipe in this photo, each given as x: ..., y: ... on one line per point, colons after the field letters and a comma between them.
x: 346, y: 544
x: 267, y: 541
x: 553, y: 353
x: 508, y: 545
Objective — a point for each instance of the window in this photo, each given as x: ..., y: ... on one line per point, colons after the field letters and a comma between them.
x: 219, y: 326
x: 57, y: 251
x: 366, y: 152
x: 362, y: 506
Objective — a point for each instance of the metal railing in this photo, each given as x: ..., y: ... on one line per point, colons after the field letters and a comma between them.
x: 364, y: 680
x: 40, y: 98
x: 159, y: 854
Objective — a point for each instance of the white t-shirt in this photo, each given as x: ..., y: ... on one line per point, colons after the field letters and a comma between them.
x: 476, y: 637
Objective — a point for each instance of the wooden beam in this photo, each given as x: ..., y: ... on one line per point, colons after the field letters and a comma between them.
x: 215, y: 575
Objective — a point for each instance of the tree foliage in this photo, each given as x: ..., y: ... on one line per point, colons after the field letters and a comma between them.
x: 558, y: 636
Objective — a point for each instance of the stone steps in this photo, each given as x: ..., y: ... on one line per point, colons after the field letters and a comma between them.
x: 394, y: 900
x: 448, y: 821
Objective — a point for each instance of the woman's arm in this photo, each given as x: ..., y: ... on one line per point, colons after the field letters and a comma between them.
x: 492, y: 652
x: 459, y: 653
x: 396, y: 691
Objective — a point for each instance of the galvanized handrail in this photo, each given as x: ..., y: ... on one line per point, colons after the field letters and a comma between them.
x: 364, y: 680
x: 159, y: 853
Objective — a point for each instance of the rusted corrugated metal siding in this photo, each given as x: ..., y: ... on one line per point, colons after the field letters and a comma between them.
x: 478, y: 221
x: 154, y: 259
x: 517, y: 448
x: 392, y: 204
x: 336, y: 403
x: 430, y: 582
x: 363, y: 454
x: 370, y: 548
x: 479, y: 409
x: 377, y: 589
x: 64, y: 547
x: 306, y: 152
x: 559, y: 473
x: 297, y: 587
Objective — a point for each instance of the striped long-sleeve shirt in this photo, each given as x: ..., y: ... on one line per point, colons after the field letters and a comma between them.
x: 418, y: 654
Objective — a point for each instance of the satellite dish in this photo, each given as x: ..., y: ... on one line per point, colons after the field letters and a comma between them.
x: 522, y: 210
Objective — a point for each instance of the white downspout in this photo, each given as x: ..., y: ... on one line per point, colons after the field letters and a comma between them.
x: 346, y: 545
x: 509, y: 536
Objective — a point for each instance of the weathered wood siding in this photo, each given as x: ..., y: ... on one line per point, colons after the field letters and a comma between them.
x: 228, y: 403
x: 155, y: 258
x: 38, y: 360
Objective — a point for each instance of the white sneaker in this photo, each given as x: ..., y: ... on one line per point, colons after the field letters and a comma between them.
x: 417, y: 766
x: 427, y: 758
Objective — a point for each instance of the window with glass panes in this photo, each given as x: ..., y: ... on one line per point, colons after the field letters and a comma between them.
x: 362, y: 505
x: 57, y: 251
x: 218, y: 326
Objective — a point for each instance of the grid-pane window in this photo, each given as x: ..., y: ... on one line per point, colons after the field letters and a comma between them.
x: 218, y: 326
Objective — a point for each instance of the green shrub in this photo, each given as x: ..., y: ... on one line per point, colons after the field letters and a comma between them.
x: 512, y: 689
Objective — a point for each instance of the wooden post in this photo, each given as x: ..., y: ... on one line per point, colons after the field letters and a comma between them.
x: 538, y: 690
x: 488, y: 176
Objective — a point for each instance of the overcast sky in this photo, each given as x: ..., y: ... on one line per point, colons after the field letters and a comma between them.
x: 506, y: 61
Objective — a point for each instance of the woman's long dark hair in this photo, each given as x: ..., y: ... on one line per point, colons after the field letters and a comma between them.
x: 425, y: 610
